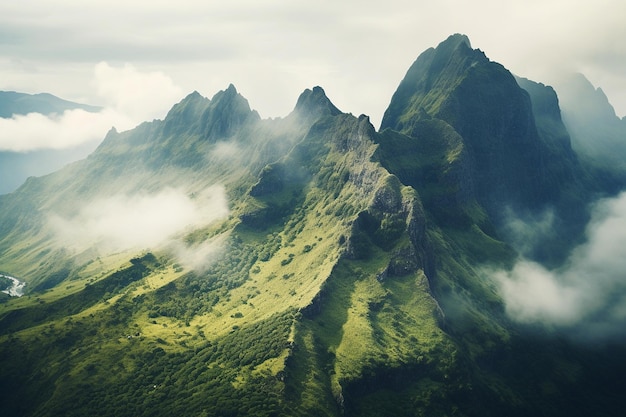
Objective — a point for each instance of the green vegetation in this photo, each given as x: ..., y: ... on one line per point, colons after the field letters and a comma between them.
x: 348, y: 277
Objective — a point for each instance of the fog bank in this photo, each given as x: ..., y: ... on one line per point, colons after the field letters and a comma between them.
x: 587, y: 295
x: 143, y: 221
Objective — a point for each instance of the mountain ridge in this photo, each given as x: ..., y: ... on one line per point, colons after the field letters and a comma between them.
x: 15, y: 103
x: 323, y: 267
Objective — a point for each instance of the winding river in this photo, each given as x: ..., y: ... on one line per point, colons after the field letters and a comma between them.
x: 17, y: 289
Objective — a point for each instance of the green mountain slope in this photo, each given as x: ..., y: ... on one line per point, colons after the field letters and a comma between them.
x: 214, y: 263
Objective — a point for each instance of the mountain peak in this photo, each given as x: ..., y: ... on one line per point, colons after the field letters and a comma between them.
x: 483, y: 103
x: 456, y: 40
x: 315, y: 102
x: 227, y: 112
x: 193, y: 97
x: 408, y: 261
x: 434, y: 74
x: 228, y: 96
x: 575, y: 90
x: 184, y: 113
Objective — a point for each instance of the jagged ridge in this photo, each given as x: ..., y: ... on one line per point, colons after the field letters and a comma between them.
x: 347, y: 277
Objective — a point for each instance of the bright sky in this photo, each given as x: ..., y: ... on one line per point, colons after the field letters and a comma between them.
x: 137, y: 58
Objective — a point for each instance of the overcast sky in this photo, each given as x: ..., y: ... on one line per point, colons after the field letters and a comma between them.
x: 137, y: 58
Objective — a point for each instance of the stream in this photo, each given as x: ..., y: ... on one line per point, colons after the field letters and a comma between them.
x: 17, y: 289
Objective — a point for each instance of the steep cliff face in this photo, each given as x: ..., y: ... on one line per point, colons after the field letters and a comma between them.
x: 483, y: 103
x: 494, y: 141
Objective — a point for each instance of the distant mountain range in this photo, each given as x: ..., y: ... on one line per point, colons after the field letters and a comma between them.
x: 15, y: 167
x: 597, y: 133
x: 12, y: 103
x: 215, y: 263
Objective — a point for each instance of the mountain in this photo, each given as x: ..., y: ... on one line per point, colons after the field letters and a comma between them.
x: 15, y: 167
x: 217, y: 263
x: 501, y: 155
x: 13, y: 103
x: 597, y: 133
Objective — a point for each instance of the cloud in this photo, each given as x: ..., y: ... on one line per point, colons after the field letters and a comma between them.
x: 198, y: 256
x: 534, y: 294
x: 124, y: 222
x: 130, y: 97
x: 224, y: 150
x: 138, y: 95
x: 273, y: 50
x: 526, y: 232
x: 35, y: 131
x: 587, y: 295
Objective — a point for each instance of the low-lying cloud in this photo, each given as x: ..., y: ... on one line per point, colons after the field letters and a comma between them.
x: 143, y: 221
x: 197, y: 256
x: 526, y: 232
x: 35, y: 131
x: 588, y: 294
x: 130, y: 97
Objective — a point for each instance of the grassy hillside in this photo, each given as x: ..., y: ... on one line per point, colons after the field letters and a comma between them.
x: 312, y: 264
x: 305, y: 266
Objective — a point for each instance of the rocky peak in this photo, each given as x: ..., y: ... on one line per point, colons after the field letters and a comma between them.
x: 544, y: 99
x: 578, y: 94
x: 596, y: 131
x: 314, y: 103
x: 228, y: 112
x: 185, y: 114
x: 506, y: 160
x: 547, y: 113
x: 455, y: 41
x: 434, y: 74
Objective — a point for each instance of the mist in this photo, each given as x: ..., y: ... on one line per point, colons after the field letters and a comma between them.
x: 586, y: 297
x: 35, y: 131
x: 129, y: 96
x: 595, y: 129
x: 525, y: 232
x: 142, y: 221
x: 197, y: 257
x: 35, y: 144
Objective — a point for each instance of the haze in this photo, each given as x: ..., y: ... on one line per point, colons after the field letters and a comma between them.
x: 271, y: 51
x: 123, y: 222
x: 585, y: 296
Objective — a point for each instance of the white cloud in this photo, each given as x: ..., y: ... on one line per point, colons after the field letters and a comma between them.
x: 124, y: 222
x: 199, y: 256
x: 534, y: 294
x: 130, y: 96
x: 588, y: 292
x: 23, y: 133
x: 135, y: 94
x: 358, y: 51
x: 224, y: 150
x: 524, y: 233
